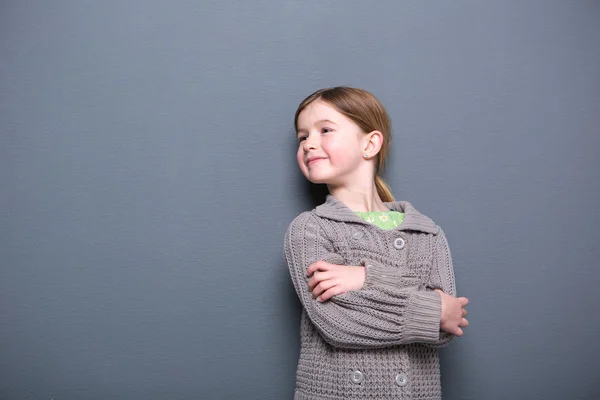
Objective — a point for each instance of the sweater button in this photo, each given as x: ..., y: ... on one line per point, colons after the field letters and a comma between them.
x: 357, y: 235
x: 399, y: 243
x: 356, y: 377
x: 401, y: 380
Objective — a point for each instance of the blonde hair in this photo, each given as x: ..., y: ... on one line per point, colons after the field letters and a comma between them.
x: 365, y: 111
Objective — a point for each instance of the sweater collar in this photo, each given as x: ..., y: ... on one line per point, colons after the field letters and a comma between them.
x: 413, y: 220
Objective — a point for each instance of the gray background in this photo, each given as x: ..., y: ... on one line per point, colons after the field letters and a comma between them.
x: 147, y: 177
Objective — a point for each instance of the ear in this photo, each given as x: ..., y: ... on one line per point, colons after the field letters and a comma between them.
x: 372, y: 143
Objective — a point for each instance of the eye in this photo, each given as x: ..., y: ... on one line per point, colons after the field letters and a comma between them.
x: 326, y: 130
x: 301, y: 138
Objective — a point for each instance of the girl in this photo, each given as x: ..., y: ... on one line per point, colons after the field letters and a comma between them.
x: 374, y: 276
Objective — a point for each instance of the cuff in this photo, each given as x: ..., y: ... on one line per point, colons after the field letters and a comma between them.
x: 376, y: 275
x: 422, y: 317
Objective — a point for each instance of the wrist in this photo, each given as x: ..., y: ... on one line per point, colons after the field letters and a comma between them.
x: 377, y: 274
x: 361, y: 276
x: 442, y: 306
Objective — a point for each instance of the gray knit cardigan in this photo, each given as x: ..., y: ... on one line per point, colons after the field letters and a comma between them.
x: 379, y: 342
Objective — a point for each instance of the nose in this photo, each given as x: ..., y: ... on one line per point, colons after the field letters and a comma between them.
x: 310, y: 144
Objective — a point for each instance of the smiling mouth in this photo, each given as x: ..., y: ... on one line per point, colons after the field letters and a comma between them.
x: 314, y: 160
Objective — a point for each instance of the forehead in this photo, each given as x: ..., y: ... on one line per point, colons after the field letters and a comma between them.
x: 319, y: 111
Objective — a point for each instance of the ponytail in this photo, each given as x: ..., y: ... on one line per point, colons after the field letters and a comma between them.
x: 383, y: 190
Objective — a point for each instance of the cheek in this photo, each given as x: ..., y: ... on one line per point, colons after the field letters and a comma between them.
x: 300, y: 158
x: 341, y: 153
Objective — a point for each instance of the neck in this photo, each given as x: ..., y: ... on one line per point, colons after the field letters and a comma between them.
x: 359, y: 199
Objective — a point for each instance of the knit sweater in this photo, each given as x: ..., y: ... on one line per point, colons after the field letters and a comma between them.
x: 379, y: 342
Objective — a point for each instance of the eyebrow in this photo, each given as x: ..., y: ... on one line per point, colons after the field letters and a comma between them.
x: 321, y: 121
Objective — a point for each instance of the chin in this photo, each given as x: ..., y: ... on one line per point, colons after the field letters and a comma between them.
x: 317, y: 179
x: 320, y: 179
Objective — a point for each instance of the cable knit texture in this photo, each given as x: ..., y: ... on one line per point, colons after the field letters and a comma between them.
x: 379, y: 342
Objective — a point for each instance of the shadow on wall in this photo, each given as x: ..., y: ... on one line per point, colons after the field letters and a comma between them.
x: 316, y: 193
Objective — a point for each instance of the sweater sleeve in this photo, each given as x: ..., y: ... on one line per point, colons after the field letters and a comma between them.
x: 442, y: 277
x: 381, y: 314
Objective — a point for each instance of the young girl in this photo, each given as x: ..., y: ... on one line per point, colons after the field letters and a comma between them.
x: 374, y: 275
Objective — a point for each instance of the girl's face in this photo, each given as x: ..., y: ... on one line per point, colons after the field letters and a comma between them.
x: 329, y: 145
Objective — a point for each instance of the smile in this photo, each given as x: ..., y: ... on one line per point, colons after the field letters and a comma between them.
x: 314, y: 160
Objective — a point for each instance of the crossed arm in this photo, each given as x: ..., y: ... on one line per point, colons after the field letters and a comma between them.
x: 328, y: 280
x: 364, y: 306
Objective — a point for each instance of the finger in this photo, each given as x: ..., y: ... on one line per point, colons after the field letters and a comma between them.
x: 464, y: 312
x: 323, y: 286
x: 312, y: 268
x: 463, y: 301
x: 317, y: 278
x: 458, y: 332
x: 313, y: 281
x: 317, y: 266
x: 464, y: 322
x: 330, y: 293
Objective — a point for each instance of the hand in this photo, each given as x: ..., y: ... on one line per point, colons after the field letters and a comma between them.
x: 453, y: 313
x: 328, y: 280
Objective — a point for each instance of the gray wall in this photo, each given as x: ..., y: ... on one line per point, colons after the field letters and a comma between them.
x: 147, y: 177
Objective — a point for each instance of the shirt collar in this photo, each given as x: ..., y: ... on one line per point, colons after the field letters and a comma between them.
x: 413, y: 220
